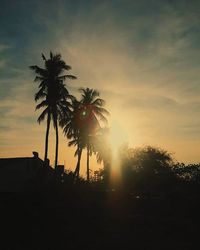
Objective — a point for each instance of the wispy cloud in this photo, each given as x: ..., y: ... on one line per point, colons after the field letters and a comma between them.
x: 4, y: 47
x: 142, y: 55
x: 2, y: 63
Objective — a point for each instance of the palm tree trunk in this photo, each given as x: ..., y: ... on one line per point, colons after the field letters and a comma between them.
x: 88, y: 163
x: 56, y: 153
x: 47, y: 138
x: 77, y: 170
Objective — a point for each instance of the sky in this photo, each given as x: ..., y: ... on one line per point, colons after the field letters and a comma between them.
x: 143, y: 56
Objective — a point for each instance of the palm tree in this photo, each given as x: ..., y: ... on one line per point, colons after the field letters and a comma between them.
x: 78, y: 143
x: 94, y: 114
x: 72, y: 124
x: 53, y: 93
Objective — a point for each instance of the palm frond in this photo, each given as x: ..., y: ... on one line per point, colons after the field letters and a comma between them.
x: 103, y: 111
x: 64, y: 77
x: 40, y: 94
x: 67, y: 67
x: 39, y: 79
x: 98, y: 102
x: 38, y: 70
x: 95, y: 94
x: 43, y: 84
x: 51, y: 55
x: 101, y: 117
x: 43, y: 57
x: 42, y: 116
x: 41, y: 105
x: 73, y: 143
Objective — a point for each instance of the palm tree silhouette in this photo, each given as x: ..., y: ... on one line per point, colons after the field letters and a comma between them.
x: 80, y: 145
x: 53, y: 93
x: 94, y: 114
x: 72, y: 129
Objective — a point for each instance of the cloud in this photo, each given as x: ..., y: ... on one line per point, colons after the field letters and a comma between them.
x: 17, y: 112
x: 151, y: 102
x: 4, y: 47
x: 2, y: 63
x: 142, y: 56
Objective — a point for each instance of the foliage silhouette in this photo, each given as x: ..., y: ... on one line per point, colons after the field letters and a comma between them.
x: 188, y: 173
x: 147, y: 168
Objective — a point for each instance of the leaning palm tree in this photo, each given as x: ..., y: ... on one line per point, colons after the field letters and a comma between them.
x: 94, y: 112
x: 77, y: 142
x: 72, y: 128
x: 52, y: 93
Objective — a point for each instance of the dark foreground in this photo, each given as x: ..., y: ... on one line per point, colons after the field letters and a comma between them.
x: 85, y: 219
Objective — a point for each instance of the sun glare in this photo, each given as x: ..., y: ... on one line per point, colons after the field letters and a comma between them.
x: 117, y: 136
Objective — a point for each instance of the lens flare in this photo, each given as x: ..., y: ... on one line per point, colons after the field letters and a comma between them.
x: 117, y: 138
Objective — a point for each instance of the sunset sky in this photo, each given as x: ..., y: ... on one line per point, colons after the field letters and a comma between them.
x: 143, y: 56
